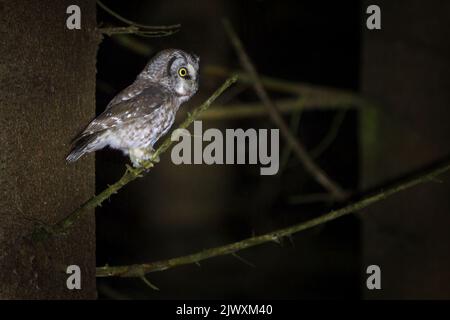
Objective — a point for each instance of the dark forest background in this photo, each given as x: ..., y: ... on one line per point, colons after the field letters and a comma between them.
x: 179, y: 210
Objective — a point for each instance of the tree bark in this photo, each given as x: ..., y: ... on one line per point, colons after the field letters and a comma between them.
x: 47, y: 94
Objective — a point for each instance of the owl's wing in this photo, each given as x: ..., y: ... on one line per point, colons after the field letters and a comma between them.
x: 128, y: 93
x: 124, y: 112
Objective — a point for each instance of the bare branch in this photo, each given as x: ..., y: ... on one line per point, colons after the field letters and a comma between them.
x: 310, y: 166
x: 136, y: 28
x: 138, y: 270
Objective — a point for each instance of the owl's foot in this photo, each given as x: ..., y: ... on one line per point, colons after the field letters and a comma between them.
x: 149, y: 155
x: 138, y: 156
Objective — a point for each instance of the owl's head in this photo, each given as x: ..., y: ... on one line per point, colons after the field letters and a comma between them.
x: 176, y: 70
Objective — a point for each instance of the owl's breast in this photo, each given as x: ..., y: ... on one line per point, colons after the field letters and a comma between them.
x: 144, y: 131
x: 160, y: 123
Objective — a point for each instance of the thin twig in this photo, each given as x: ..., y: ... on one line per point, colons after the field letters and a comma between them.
x: 310, y: 166
x: 323, y: 145
x: 148, y: 283
x: 129, y: 175
x: 130, y: 22
x: 136, y: 45
x: 294, y: 125
x: 138, y: 270
x: 136, y: 28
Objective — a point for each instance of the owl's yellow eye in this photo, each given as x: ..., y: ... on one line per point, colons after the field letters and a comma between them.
x: 182, y: 72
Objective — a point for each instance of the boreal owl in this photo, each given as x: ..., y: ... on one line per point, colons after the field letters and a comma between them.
x: 143, y: 112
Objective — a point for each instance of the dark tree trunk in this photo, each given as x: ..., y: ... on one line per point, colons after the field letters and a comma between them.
x: 406, y: 66
x: 47, y: 93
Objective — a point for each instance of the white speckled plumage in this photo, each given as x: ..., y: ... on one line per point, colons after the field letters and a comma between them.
x: 142, y: 113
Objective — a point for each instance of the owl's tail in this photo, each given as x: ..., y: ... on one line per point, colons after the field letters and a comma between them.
x: 82, y: 145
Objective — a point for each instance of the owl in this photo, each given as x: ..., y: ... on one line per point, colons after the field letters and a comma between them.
x: 143, y: 112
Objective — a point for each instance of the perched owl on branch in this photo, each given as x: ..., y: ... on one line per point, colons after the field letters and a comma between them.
x: 143, y: 112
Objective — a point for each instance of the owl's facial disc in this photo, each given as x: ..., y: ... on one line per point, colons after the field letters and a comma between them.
x: 186, y: 79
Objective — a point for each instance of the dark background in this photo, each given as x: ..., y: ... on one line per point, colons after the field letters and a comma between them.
x: 177, y: 210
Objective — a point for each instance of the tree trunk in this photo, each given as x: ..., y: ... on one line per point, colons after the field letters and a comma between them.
x: 47, y: 94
